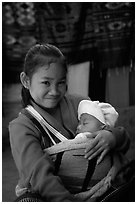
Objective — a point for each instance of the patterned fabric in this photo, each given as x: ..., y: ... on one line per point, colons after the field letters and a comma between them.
x: 19, y: 32
x: 101, y: 32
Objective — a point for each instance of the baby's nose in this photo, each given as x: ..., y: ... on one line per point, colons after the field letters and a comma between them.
x: 78, y: 128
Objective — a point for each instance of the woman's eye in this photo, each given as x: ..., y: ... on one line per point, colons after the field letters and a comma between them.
x: 47, y: 83
x: 61, y: 83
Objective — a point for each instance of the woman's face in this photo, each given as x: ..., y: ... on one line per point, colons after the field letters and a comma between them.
x: 48, y: 85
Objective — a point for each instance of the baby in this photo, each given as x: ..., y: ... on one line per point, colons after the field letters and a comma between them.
x: 94, y: 116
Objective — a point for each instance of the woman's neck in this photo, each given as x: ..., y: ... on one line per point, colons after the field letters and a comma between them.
x: 54, y: 112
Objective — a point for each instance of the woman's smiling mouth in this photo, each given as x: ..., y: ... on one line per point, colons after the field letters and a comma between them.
x: 55, y: 99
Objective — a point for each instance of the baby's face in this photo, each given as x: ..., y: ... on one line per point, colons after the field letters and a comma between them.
x: 88, y: 123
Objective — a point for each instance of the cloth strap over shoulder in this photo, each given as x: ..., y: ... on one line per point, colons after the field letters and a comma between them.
x: 46, y: 126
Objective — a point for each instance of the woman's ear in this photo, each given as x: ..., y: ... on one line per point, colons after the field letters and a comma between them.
x: 24, y: 80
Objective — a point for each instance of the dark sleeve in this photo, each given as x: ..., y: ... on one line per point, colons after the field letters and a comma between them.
x: 34, y: 166
x: 122, y: 138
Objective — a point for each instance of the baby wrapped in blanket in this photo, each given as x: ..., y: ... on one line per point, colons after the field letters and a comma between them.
x: 77, y: 173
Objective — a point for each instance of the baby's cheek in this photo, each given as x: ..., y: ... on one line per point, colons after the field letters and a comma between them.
x: 88, y: 129
x: 83, y: 130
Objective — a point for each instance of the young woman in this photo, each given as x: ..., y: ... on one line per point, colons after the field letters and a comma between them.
x: 44, y: 81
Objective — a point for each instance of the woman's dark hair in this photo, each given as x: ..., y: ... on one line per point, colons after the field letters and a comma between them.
x: 38, y: 56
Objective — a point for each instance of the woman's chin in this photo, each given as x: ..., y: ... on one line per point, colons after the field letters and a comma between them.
x: 51, y: 104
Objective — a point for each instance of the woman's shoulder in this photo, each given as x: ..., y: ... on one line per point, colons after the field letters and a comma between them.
x: 21, y: 118
x: 20, y: 128
x: 22, y: 122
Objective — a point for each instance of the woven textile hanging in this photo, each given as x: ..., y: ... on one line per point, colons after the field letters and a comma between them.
x: 84, y: 31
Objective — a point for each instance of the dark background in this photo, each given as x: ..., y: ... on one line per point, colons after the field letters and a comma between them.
x: 102, y: 33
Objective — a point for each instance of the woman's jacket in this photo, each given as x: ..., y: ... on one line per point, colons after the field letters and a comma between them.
x: 36, y: 169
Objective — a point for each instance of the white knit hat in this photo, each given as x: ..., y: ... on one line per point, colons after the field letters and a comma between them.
x: 110, y: 114
x: 104, y: 112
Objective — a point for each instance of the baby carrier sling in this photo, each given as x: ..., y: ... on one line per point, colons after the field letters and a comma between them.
x: 118, y: 193
x: 80, y: 180
x: 47, y: 129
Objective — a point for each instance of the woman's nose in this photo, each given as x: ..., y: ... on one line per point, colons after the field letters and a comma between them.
x: 53, y: 91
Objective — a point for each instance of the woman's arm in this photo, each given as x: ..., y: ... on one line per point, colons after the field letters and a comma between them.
x: 106, y: 140
x: 34, y: 166
x: 121, y: 137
